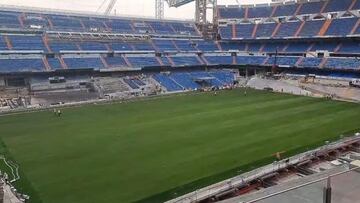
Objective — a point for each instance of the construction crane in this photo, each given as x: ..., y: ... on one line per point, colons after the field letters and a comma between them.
x: 109, y: 7
x: 159, y: 9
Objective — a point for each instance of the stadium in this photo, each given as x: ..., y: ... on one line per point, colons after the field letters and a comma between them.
x: 245, y: 103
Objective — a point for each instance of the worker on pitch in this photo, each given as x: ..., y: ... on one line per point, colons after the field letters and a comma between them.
x: 57, y: 112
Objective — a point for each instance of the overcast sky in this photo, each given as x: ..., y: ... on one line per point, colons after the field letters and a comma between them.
x: 122, y: 7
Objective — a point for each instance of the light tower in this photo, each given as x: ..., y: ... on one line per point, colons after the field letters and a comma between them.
x: 159, y: 9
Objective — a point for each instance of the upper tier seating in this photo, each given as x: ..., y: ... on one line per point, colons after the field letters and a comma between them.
x: 260, y: 12
x: 292, y: 29
x: 226, y: 13
x: 278, y: 10
x: 311, y: 8
x: 70, y: 22
x: 9, y: 20
x: 338, y: 5
x: 285, y: 10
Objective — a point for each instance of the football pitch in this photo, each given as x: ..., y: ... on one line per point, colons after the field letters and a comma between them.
x: 156, y: 149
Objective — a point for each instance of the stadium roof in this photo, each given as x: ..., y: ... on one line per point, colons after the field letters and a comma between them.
x: 178, y: 3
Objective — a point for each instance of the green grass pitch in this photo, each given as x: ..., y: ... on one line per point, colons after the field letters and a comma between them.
x: 156, y: 149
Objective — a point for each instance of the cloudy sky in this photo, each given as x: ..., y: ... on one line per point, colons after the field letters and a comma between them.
x: 123, y: 7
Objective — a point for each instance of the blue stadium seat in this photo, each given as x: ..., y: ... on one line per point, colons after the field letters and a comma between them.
x: 250, y: 60
x: 219, y: 60
x: 184, y: 28
x: 168, y: 83
x: 165, y: 45
x: 21, y: 65
x: 283, y: 61
x: 212, y: 82
x: 93, y: 46
x: 285, y: 10
x: 324, y: 46
x: 54, y: 63
x: 260, y: 12
x: 3, y: 45
x: 342, y: 63
x: 226, y: 46
x: 272, y: 47
x: 23, y: 42
x: 254, y: 47
x: 310, y: 62
x: 84, y: 63
x: 231, y: 13
x: 115, y: 61
x: 338, y: 5
x: 350, y: 47
x: 185, y: 60
x: 265, y: 30
x: 287, y: 29
x: 120, y: 26
x: 66, y: 23
x: 206, y: 45
x: 311, y: 8
x: 357, y: 5
x: 63, y: 46
x: 31, y: 20
x: 185, y: 80
x: 226, y: 77
x: 162, y: 28
x: 144, y: 61
x: 296, y: 47
x: 185, y: 45
x: 143, y: 46
x: 341, y: 27
x: 226, y: 32
x: 131, y: 83
x: 120, y: 46
x: 244, y: 30
x: 9, y: 20
x: 94, y: 24
x: 311, y: 28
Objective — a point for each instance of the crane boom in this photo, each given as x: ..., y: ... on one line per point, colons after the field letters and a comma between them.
x: 110, y: 7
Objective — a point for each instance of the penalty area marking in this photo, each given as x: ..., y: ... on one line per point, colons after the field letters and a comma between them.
x: 13, y: 167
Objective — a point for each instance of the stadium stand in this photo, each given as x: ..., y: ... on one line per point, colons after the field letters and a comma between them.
x: 247, y: 36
